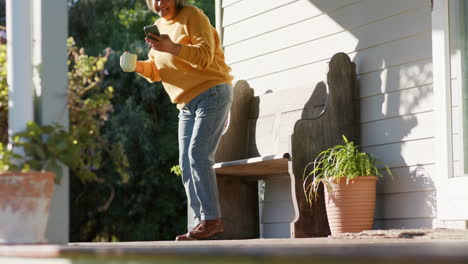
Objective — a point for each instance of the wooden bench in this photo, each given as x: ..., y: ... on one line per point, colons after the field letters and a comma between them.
x: 275, y: 135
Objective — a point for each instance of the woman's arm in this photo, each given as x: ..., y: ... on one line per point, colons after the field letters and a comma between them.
x: 148, y: 69
x: 201, y: 52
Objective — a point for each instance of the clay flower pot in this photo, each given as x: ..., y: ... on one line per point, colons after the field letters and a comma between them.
x: 24, y: 206
x: 350, y: 207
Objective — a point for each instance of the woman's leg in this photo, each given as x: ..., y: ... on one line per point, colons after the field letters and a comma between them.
x: 205, y: 116
x: 186, y: 121
x: 210, y: 116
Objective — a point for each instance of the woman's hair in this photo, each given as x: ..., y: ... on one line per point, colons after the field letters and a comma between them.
x: 179, y: 4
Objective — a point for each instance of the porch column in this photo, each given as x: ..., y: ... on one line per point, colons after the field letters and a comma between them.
x: 19, y: 44
x: 51, y: 85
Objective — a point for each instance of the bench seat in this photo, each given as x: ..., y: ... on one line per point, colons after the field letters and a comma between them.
x: 259, y: 168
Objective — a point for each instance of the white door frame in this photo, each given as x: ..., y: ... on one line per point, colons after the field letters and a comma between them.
x: 452, y: 192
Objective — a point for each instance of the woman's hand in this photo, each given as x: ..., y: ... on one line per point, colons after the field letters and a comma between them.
x: 163, y: 43
x: 128, y: 61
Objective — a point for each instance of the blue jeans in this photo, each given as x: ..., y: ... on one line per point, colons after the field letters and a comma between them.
x: 201, y: 123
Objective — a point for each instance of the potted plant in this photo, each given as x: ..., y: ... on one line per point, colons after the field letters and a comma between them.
x: 349, y: 177
x: 27, y: 180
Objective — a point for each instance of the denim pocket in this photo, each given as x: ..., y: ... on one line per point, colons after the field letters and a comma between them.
x: 216, y: 99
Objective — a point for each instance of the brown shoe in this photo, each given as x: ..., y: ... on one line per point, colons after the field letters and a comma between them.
x: 184, y: 237
x: 207, y: 229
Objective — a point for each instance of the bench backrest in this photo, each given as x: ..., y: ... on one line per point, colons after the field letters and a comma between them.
x: 273, y: 115
x: 263, y: 125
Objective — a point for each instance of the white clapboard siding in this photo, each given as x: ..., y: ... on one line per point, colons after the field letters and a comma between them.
x: 408, y: 179
x: 408, y: 223
x: 402, y: 51
x: 403, y: 102
x: 455, y: 92
x: 397, y: 129
x: 458, y: 126
x: 322, y: 26
x: 245, y: 9
x: 276, y: 230
x: 226, y: 3
x: 299, y: 77
x: 277, y: 207
x: 272, y: 103
x: 394, y: 53
x: 272, y: 126
x: 456, y: 115
x: 385, y: 79
x: 272, y: 137
x: 279, y: 45
x: 262, y: 13
x: 410, y: 75
x: 457, y: 145
x: 264, y: 143
x: 457, y: 121
x: 406, y: 205
x: 286, y: 129
x: 275, y: 190
x: 457, y: 142
x: 403, y: 154
x: 278, y: 212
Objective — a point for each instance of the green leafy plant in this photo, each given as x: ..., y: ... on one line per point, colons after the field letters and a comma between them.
x: 42, y: 148
x: 89, y: 107
x: 3, y: 95
x: 176, y: 170
x: 340, y: 161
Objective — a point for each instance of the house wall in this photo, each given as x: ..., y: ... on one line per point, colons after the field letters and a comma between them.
x: 286, y: 44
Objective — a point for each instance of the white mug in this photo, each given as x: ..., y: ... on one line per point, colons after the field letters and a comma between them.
x: 128, y: 62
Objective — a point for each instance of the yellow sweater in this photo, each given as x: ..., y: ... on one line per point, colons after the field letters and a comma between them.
x: 200, y: 63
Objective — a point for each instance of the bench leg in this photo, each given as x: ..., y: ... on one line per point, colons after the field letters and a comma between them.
x: 239, y: 208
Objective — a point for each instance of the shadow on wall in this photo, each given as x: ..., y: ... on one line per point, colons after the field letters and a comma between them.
x: 395, y: 100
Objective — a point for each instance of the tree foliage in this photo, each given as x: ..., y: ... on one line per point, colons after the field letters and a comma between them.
x: 2, y: 12
x: 152, y: 204
x: 134, y: 117
x: 3, y: 96
x: 89, y: 104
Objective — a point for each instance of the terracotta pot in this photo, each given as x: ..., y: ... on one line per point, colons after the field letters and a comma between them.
x: 24, y: 206
x: 350, y: 207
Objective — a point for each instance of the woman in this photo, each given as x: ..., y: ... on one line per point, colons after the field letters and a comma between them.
x: 188, y: 59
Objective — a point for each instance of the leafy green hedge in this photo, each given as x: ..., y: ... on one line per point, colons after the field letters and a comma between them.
x: 3, y: 95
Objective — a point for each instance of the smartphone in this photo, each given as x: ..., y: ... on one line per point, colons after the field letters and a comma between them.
x: 151, y: 29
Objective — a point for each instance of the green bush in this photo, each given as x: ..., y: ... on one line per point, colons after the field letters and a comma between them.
x: 89, y: 104
x: 43, y: 148
x: 3, y: 96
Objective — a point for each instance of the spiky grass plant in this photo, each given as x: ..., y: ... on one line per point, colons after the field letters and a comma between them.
x: 340, y: 161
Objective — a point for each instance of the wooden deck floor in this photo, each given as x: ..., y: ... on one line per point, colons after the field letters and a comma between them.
x: 443, y: 246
